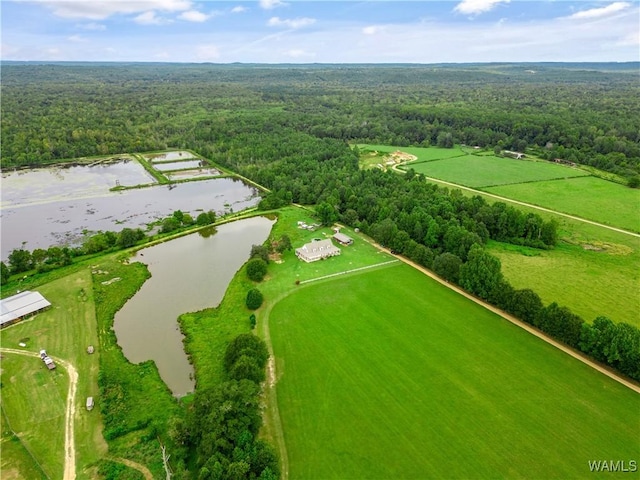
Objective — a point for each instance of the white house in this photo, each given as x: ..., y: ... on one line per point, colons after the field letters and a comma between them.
x: 317, y: 250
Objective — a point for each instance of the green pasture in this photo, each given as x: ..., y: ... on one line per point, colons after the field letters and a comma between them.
x: 16, y: 461
x: 587, y: 197
x: 388, y: 374
x: 592, y: 271
x: 34, y: 398
x: 373, y: 154
x: 481, y: 171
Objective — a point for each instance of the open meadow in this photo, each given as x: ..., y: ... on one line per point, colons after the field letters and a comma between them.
x: 587, y: 197
x: 34, y: 398
x: 481, y: 171
x: 388, y: 374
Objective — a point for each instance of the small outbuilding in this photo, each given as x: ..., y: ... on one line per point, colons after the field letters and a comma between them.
x: 343, y: 239
x: 24, y: 304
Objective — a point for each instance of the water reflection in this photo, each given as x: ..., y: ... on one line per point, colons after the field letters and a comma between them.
x: 187, y: 274
x: 63, y: 221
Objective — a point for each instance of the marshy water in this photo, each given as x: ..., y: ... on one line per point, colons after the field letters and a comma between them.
x: 188, y: 274
x: 55, y: 206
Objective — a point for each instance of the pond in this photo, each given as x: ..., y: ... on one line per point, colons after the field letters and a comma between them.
x: 166, y: 156
x: 184, y: 165
x: 63, y: 219
x: 188, y: 274
x: 200, y: 172
x: 43, y: 185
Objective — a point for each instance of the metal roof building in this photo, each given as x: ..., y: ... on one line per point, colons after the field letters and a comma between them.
x: 19, y: 306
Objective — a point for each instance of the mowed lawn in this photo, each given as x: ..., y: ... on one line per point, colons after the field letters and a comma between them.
x: 480, y: 171
x: 587, y: 197
x: 388, y: 374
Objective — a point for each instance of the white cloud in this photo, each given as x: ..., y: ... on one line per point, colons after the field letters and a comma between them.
x: 291, y: 22
x: 101, y: 9
x: 372, y: 29
x: 194, y: 16
x: 76, y: 38
x: 239, y: 9
x: 207, y: 53
x: 150, y: 18
x: 298, y: 53
x: 476, y: 7
x: 270, y: 4
x: 601, y: 12
x: 92, y: 26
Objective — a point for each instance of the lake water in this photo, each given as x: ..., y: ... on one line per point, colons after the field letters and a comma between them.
x: 188, y: 274
x: 69, y: 212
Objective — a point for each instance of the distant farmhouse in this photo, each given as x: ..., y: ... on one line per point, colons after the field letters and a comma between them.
x: 15, y: 308
x: 343, y: 239
x: 317, y: 250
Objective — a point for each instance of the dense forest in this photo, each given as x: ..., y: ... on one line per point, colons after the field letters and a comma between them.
x: 581, y: 113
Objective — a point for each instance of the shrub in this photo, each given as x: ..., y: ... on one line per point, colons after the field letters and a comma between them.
x: 254, y: 299
x: 256, y: 269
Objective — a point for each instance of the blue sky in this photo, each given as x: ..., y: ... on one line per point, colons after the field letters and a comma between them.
x: 330, y: 31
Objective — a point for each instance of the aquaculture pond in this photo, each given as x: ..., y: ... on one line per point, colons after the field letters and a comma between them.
x: 167, y: 156
x: 184, y: 165
x: 187, y: 274
x: 46, y: 207
x: 44, y: 185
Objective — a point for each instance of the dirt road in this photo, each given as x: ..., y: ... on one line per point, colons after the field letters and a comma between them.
x: 69, y: 439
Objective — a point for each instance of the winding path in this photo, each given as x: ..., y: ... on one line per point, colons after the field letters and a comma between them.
x: 69, y: 439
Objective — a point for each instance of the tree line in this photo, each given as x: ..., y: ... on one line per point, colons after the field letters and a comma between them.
x: 220, y: 432
x: 54, y: 112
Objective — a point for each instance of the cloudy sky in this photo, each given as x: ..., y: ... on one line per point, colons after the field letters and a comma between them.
x: 330, y: 31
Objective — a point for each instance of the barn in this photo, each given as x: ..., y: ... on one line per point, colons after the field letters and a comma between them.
x: 24, y: 304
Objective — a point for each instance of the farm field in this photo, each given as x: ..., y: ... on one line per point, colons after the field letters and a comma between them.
x: 424, y: 154
x: 578, y: 272
x: 388, y: 374
x: 34, y: 398
x: 592, y: 271
x: 586, y: 197
x: 482, y: 171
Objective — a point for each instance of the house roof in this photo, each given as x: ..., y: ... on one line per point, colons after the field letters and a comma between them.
x: 317, y: 249
x: 342, y: 238
x: 24, y: 303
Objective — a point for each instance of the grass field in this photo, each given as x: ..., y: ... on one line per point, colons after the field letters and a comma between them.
x: 388, y: 374
x: 424, y: 154
x: 591, y: 282
x: 481, y: 171
x: 34, y: 398
x: 587, y: 197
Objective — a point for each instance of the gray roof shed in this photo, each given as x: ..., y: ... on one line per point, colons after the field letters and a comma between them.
x: 24, y: 303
